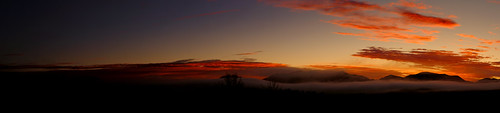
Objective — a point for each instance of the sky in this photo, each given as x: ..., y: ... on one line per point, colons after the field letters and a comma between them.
x: 398, y: 37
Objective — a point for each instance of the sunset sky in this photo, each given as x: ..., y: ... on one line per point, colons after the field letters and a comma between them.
x: 401, y: 37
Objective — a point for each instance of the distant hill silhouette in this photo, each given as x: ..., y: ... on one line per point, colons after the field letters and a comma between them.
x: 316, y: 76
x: 341, y: 76
x: 426, y: 76
x: 392, y: 77
x: 488, y: 80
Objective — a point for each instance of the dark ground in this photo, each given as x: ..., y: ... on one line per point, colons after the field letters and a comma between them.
x: 22, y: 88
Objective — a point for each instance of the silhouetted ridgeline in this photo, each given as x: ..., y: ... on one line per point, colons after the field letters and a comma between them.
x: 392, y: 77
x: 434, y: 76
x: 426, y: 76
x: 340, y: 76
x: 316, y: 76
x: 488, y: 80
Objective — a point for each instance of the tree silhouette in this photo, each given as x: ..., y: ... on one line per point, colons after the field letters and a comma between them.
x: 232, y: 81
x: 273, y: 85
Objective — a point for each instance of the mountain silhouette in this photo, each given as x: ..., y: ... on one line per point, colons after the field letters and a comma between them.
x: 428, y: 76
x: 488, y: 80
x: 316, y: 76
x: 392, y: 77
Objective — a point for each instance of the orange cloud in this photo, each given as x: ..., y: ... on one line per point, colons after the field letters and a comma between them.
x: 485, y: 47
x: 366, y: 26
x: 428, y: 32
x: 452, y: 16
x: 492, y: 33
x: 409, y: 38
x: 372, y: 73
x: 352, y: 34
x: 381, y: 23
x: 471, y: 51
x: 411, y: 4
x: 484, y: 41
x: 387, y: 36
x: 430, y: 21
x: 467, y: 36
x: 468, y: 66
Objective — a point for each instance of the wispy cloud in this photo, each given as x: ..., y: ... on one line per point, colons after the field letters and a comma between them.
x: 483, y: 41
x: 484, y: 47
x: 393, y: 22
x: 207, y: 14
x: 387, y: 36
x: 471, y: 51
x: 411, y: 4
x: 466, y: 63
x: 493, y: 1
x: 427, y: 21
x: 492, y: 33
x: 452, y: 16
x: 249, y: 53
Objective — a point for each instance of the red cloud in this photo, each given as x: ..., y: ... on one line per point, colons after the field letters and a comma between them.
x: 495, y: 63
x: 494, y: 1
x: 184, y: 69
x: 468, y: 66
x: 381, y: 23
x: 330, y: 7
x: 366, y: 26
x: 472, y: 50
x: 206, y: 14
x: 422, y: 20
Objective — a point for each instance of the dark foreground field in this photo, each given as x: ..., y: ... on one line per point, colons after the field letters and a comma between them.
x: 30, y: 87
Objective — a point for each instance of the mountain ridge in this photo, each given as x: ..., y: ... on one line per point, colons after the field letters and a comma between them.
x: 425, y: 76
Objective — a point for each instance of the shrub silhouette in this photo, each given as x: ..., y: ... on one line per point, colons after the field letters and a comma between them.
x: 232, y: 81
x: 273, y: 85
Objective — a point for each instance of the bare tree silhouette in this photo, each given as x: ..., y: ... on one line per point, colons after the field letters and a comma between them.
x: 273, y: 85
x: 232, y: 81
